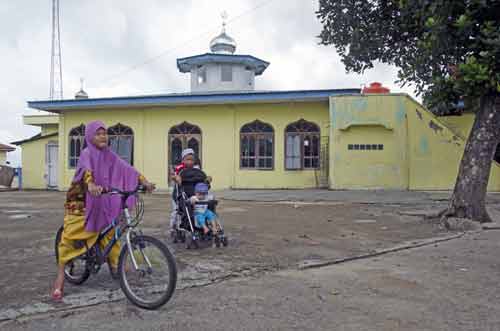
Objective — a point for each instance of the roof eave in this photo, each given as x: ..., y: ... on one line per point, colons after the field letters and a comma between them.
x: 186, y: 64
x: 34, y: 138
x: 183, y: 100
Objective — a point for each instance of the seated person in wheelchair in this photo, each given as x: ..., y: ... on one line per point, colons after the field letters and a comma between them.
x: 204, y: 217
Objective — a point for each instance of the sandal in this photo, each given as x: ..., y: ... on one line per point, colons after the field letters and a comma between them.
x: 57, y: 295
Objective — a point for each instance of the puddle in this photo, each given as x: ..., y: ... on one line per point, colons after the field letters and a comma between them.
x: 232, y: 210
x: 19, y: 216
x: 20, y: 211
x: 15, y: 205
x: 365, y: 221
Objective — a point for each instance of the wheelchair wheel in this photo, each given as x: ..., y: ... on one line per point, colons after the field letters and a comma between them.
x: 173, y: 236
x: 191, y: 241
x: 182, y: 236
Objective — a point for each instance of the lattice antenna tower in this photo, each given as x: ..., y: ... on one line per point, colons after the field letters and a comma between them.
x: 56, y: 85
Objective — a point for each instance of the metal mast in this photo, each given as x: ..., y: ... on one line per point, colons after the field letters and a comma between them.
x: 56, y: 87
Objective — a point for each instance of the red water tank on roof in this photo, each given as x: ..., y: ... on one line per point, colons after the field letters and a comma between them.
x: 376, y: 87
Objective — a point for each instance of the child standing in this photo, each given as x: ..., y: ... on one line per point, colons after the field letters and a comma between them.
x: 188, y: 162
x: 177, y: 170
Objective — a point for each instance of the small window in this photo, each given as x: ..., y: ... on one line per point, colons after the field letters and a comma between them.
x: 226, y: 73
x: 202, y: 75
x: 365, y: 147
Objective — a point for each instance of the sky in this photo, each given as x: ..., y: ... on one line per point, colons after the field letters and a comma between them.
x: 129, y: 47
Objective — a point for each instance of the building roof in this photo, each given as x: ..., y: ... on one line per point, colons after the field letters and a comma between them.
x: 257, y: 65
x: 184, y: 99
x: 6, y: 148
x: 41, y: 120
x: 34, y: 138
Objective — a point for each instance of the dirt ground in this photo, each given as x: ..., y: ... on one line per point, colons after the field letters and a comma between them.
x: 264, y: 237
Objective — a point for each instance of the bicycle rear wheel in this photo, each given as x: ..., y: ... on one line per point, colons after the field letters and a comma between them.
x: 152, y: 284
x: 75, y: 271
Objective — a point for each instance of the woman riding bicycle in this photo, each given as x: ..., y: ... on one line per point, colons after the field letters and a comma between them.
x: 87, y: 211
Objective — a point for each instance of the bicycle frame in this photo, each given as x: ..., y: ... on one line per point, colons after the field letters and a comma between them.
x: 128, y: 228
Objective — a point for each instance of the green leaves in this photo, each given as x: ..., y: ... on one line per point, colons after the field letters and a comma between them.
x: 430, y: 22
x: 424, y: 39
x: 462, y: 22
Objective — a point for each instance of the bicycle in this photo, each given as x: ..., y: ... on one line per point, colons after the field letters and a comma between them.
x: 136, y: 262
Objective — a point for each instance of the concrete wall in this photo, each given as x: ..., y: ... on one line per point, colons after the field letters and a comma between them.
x: 368, y: 120
x: 220, y: 127
x: 436, y: 148
x: 3, y: 157
x: 34, y: 163
x: 278, y: 116
x: 420, y: 151
x: 243, y: 80
x: 49, y: 128
x: 460, y: 125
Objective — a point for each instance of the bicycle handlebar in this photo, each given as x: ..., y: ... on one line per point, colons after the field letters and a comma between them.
x: 138, y: 189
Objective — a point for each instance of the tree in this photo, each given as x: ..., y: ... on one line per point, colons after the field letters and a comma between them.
x: 450, y: 51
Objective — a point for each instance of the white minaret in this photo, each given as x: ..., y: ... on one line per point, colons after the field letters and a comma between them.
x: 221, y: 69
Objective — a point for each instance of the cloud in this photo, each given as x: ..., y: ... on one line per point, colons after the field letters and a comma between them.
x: 106, y: 42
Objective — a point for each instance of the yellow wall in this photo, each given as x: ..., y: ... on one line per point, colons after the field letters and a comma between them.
x: 220, y: 125
x: 49, y: 128
x: 436, y: 149
x: 460, y: 125
x: 278, y: 116
x: 34, y: 167
x: 368, y: 119
x: 421, y: 151
x: 133, y: 119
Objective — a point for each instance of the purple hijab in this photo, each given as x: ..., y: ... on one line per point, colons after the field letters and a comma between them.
x: 109, y: 171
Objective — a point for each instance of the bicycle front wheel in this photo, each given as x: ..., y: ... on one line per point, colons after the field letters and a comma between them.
x: 151, y: 282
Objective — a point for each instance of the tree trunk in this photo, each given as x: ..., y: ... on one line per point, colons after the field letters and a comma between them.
x: 469, y: 195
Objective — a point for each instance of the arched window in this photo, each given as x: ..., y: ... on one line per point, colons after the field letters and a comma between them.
x: 302, y: 140
x: 257, y: 146
x: 121, y: 141
x: 182, y: 136
x: 76, y: 143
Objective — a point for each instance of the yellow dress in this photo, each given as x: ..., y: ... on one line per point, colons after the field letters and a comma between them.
x: 74, y: 233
